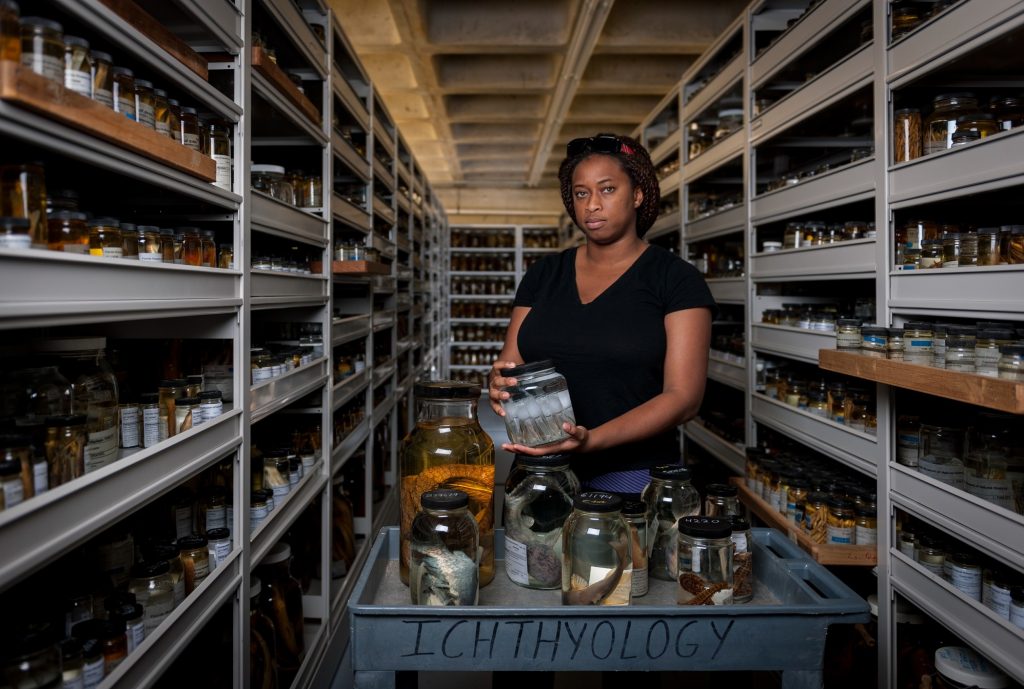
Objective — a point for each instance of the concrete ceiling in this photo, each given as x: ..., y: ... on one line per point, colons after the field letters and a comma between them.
x: 488, y: 92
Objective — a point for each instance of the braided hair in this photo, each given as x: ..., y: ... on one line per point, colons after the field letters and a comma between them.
x: 636, y: 164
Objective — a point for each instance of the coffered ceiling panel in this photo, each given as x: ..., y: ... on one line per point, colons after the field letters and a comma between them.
x: 487, y: 93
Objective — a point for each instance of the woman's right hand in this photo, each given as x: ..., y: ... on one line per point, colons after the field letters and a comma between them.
x: 496, y: 385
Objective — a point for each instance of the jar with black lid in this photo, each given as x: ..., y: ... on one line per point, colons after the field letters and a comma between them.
x: 31, y: 657
x: 538, y: 499
x: 42, y: 47
x: 705, y: 561
x: 445, y: 551
x: 669, y: 497
x: 597, y: 566
x: 720, y: 500
x: 124, y: 91
x: 940, y: 125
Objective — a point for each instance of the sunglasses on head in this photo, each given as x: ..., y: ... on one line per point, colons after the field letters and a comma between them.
x: 602, y: 143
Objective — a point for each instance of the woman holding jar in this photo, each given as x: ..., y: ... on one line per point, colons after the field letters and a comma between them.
x: 627, y: 323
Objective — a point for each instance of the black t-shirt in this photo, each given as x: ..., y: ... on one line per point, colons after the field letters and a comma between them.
x: 612, y: 350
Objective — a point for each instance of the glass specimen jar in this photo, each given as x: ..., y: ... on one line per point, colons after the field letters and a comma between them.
x: 597, y: 565
x: 444, y: 556
x: 267, y: 179
x: 192, y: 253
x: 83, y: 362
x: 282, y: 603
x: 208, y: 246
x: 102, y: 78
x: 996, y: 591
x: 538, y: 404
x: 941, y: 454
x: 10, y: 31
x: 72, y: 662
x: 965, y: 574
x: 11, y: 489
x: 105, y: 238
x: 538, y: 499
x: 986, y: 350
x: 145, y: 103
x: 634, y: 512
x: 1009, y: 112
x: 941, y: 123
x: 848, y: 336
x: 189, y: 128
x: 262, y: 641
x: 984, y: 123
x: 195, y: 560
x: 931, y: 254
x: 161, y: 112
x: 669, y: 497
x: 124, y: 91
x: 258, y: 508
x: 989, y: 253
x: 841, y: 522
x: 918, y: 339
x: 959, y: 350
x: 132, y: 615
x: 904, y: 20
x: 65, y: 447
x: 77, y: 66
x: 720, y: 500
x: 865, y: 530
x: 958, y: 667
x: 174, y: 119
x: 448, y: 449
x: 219, y: 148
x: 907, y: 140
x: 42, y: 47
x: 1011, y: 362
x: 705, y: 561
x: 968, y: 255
x: 154, y: 591
x: 894, y: 347
x: 275, y: 473
x: 129, y: 241
x: 167, y: 244
x: 23, y: 189
x: 68, y: 232
x: 874, y: 340
x: 15, y: 233
x: 184, y: 409
x: 32, y: 658
x: 817, y: 403
x: 150, y: 250
x: 742, y: 560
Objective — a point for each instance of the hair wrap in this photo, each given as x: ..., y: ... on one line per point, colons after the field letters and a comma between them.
x: 636, y: 161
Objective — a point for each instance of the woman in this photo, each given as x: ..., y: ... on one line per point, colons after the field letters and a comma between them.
x: 628, y: 324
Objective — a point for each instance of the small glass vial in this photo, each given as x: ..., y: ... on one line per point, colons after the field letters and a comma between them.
x: 128, y: 416
x: 951, y: 249
x: 226, y: 257
x: 167, y: 245
x: 195, y: 559
x: 918, y: 341
x: 105, y: 238
x: 150, y: 250
x: 817, y: 403
x: 986, y: 350
x: 669, y: 497
x: 597, y: 566
x: 184, y: 409
x: 129, y: 241
x: 145, y: 104
x: 848, y: 336
x: 133, y: 616
x: 42, y: 47
x: 908, y: 543
x: 911, y: 259
x: 208, y: 246
x: 539, y: 494
x: 161, y: 112
x: 192, y: 253
x: 968, y: 250
x: 538, y: 404
x: 705, y: 561
x: 174, y: 120
x: 965, y: 574
x: 865, y: 531
x: 114, y: 642
x: 1011, y: 362
x: 65, y: 447
x: 874, y: 341
x: 211, y: 404
x: 219, y: 148
x: 959, y: 351
x: 102, y: 78
x: 15, y: 233
x: 635, y: 514
x: 218, y: 546
x: 742, y: 560
x: 68, y: 232
x: 720, y: 500
x: 931, y: 254
x: 841, y: 522
x: 149, y: 411
x: 894, y: 347
x: 77, y: 66
x: 190, y: 136
x: 258, y: 508
x: 989, y: 253
x: 445, y: 546
x: 12, y: 491
x: 154, y: 590
x: 124, y: 91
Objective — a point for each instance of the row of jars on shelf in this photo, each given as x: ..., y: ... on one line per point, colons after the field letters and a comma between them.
x: 348, y: 417
x: 797, y: 176
x: 474, y: 356
x: 956, y: 119
x: 293, y: 187
x: 277, y: 359
x: 547, y: 239
x: 480, y: 239
x: 717, y: 259
x: 924, y: 244
x: 977, y: 453
x: 907, y: 15
x: 820, y: 317
x: 483, y: 262
x: 806, y: 233
x: 988, y: 349
x: 828, y: 398
x: 831, y: 505
x: 478, y: 333
x: 487, y: 285
x: 669, y: 204
x: 667, y: 168
x: 703, y: 204
x: 296, y: 264
x: 355, y: 251
x: 480, y: 309
x: 973, y: 574
x: 705, y: 132
x: 67, y: 60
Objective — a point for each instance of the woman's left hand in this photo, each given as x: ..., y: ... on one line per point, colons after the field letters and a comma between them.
x: 576, y: 442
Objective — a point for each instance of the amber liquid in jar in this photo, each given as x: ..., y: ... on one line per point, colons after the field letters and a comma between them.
x: 10, y: 32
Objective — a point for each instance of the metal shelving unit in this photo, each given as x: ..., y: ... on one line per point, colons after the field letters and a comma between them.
x: 123, y: 299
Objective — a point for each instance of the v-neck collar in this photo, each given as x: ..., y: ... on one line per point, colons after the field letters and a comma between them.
x: 609, y: 288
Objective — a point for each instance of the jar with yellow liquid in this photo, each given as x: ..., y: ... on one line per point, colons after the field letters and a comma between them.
x: 448, y: 450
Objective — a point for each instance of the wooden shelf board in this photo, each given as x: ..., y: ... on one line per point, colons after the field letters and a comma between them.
x: 21, y: 86
x: 148, y: 26
x: 993, y: 393
x: 855, y: 555
x: 354, y: 267
x: 276, y: 76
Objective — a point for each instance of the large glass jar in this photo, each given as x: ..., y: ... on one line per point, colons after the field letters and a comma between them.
x: 154, y: 591
x: 958, y: 666
x: 77, y: 66
x: 906, y: 135
x: 448, y: 449
x: 941, y: 123
x: 219, y: 148
x: 720, y: 500
x: 102, y: 78
x: 23, y: 195
x: 124, y: 91
x: 83, y: 362
x: 597, y: 566
x: 538, y: 404
x: 705, y: 561
x: 68, y: 232
x: 282, y: 603
x: 42, y: 47
x: 445, y: 551
x: 538, y: 499
x: 31, y: 659
x: 941, y: 454
x: 189, y: 129
x: 669, y: 497
x: 262, y: 641
x: 145, y: 104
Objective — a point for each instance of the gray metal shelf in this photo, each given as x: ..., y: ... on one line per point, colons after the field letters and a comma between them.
x: 274, y: 526
x: 349, y: 328
x: 267, y: 91
x: 842, y: 260
x: 266, y: 283
x: 350, y: 215
x: 950, y: 35
x: 995, y: 289
x: 347, y: 388
x: 728, y: 290
x: 383, y: 210
x: 727, y: 372
x: 718, y: 86
x: 347, y: 447
x: 841, y: 183
x: 290, y: 20
x: 49, y: 525
x: 671, y: 183
x: 722, y: 152
x: 670, y: 144
x: 353, y: 104
x: 222, y: 19
x: 728, y: 453
x: 995, y: 638
x: 855, y: 449
x: 281, y: 219
x: 275, y: 394
x: 729, y: 221
x: 355, y: 162
x: 794, y: 343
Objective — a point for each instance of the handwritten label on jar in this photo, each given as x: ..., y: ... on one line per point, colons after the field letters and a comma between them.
x: 101, y: 449
x: 223, y: 178
x: 840, y: 535
x: 997, y: 599
x: 40, y: 477
x: 907, y: 445
x: 136, y: 633
x: 151, y: 257
x: 216, y: 518
x: 92, y: 673
x: 79, y: 82
x: 864, y: 535
x: 994, y: 490
x: 190, y: 140
x: 515, y: 561
x: 948, y: 471
x: 151, y: 424
x: 967, y: 578
x: 46, y: 65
